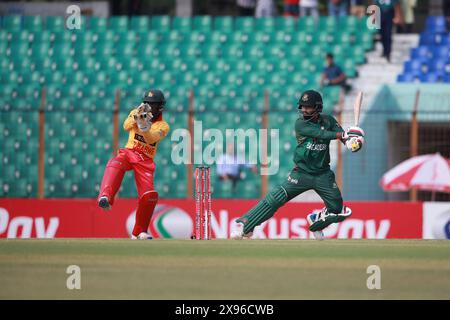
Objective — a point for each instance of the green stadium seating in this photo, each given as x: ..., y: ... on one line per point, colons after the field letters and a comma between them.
x: 161, y: 23
x: 97, y: 24
x: 227, y: 62
x: 55, y: 23
x: 225, y: 24
x: 19, y: 36
x: 127, y: 37
x: 3, y: 49
x: 104, y: 37
x: 202, y: 23
x: 118, y: 23
x: 139, y: 23
x: 266, y: 24
x: 18, y: 51
x: 181, y: 24
x: 245, y: 24
x: 308, y: 24
x: 32, y: 23
x: 285, y: 23
x: 12, y: 23
x: 59, y: 36
x: 41, y: 37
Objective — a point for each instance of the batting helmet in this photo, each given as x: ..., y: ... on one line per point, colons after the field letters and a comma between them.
x: 311, y: 98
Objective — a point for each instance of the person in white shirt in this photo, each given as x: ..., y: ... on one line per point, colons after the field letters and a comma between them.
x: 229, y: 166
x: 265, y: 8
x: 309, y: 8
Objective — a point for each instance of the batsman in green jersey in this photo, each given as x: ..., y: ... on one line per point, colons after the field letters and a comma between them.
x: 314, y: 132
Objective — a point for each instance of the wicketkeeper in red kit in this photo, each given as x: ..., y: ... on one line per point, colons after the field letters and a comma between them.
x: 146, y: 129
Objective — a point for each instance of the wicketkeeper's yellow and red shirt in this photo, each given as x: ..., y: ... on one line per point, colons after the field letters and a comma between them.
x: 145, y: 142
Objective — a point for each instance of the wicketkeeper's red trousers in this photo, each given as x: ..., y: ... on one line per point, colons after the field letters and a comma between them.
x: 143, y: 167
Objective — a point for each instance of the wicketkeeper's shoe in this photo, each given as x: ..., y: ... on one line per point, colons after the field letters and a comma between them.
x: 321, y: 220
x: 142, y: 236
x: 237, y: 233
x: 103, y: 203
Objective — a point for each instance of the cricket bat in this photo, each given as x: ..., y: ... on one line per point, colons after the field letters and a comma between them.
x: 357, y: 108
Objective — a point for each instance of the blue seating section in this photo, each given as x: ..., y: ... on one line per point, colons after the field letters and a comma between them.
x: 430, y: 61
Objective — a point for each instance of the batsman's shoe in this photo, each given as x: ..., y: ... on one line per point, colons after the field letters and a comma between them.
x: 321, y: 220
x: 311, y: 218
x: 142, y: 236
x: 237, y: 233
x: 103, y: 203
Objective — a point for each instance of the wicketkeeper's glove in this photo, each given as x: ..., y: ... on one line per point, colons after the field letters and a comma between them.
x: 143, y: 117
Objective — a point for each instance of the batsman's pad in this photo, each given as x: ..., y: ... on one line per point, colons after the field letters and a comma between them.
x: 277, y: 197
x: 325, y: 218
x: 265, y: 209
x: 147, y: 202
x: 148, y: 199
x: 146, y: 205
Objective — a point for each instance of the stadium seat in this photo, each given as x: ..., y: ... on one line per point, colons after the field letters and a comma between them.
x: 140, y: 23
x: 224, y: 24
x: 436, y: 24
x: 118, y: 23
x: 32, y: 23
x: 407, y: 77
x: 54, y: 23
x: 266, y: 24
x: 429, y: 77
x: 3, y: 49
x: 181, y: 24
x: 12, y: 23
x: 308, y: 24
x: 20, y: 37
x: 244, y: 24
x: 161, y: 23
x: 97, y: 24
x: 440, y: 52
x: 287, y: 24
x: 39, y: 50
x: 202, y: 23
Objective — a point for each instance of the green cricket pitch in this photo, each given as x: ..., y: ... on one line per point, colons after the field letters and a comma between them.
x: 224, y: 269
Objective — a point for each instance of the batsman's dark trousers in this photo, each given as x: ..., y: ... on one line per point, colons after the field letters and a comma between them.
x: 324, y: 184
x: 297, y: 182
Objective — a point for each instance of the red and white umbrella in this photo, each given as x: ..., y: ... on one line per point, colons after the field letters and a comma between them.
x: 428, y: 172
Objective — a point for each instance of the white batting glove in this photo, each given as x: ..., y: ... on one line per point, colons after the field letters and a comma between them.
x: 354, y: 144
x: 355, y: 132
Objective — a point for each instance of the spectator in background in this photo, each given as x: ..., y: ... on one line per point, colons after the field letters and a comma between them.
x: 408, y: 14
x: 309, y: 8
x: 246, y: 7
x: 229, y: 166
x: 358, y: 8
x: 332, y: 74
x: 337, y: 8
x: 265, y: 8
x: 291, y: 8
x: 391, y: 13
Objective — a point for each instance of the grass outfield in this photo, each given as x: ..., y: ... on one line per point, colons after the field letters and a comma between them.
x: 223, y: 269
